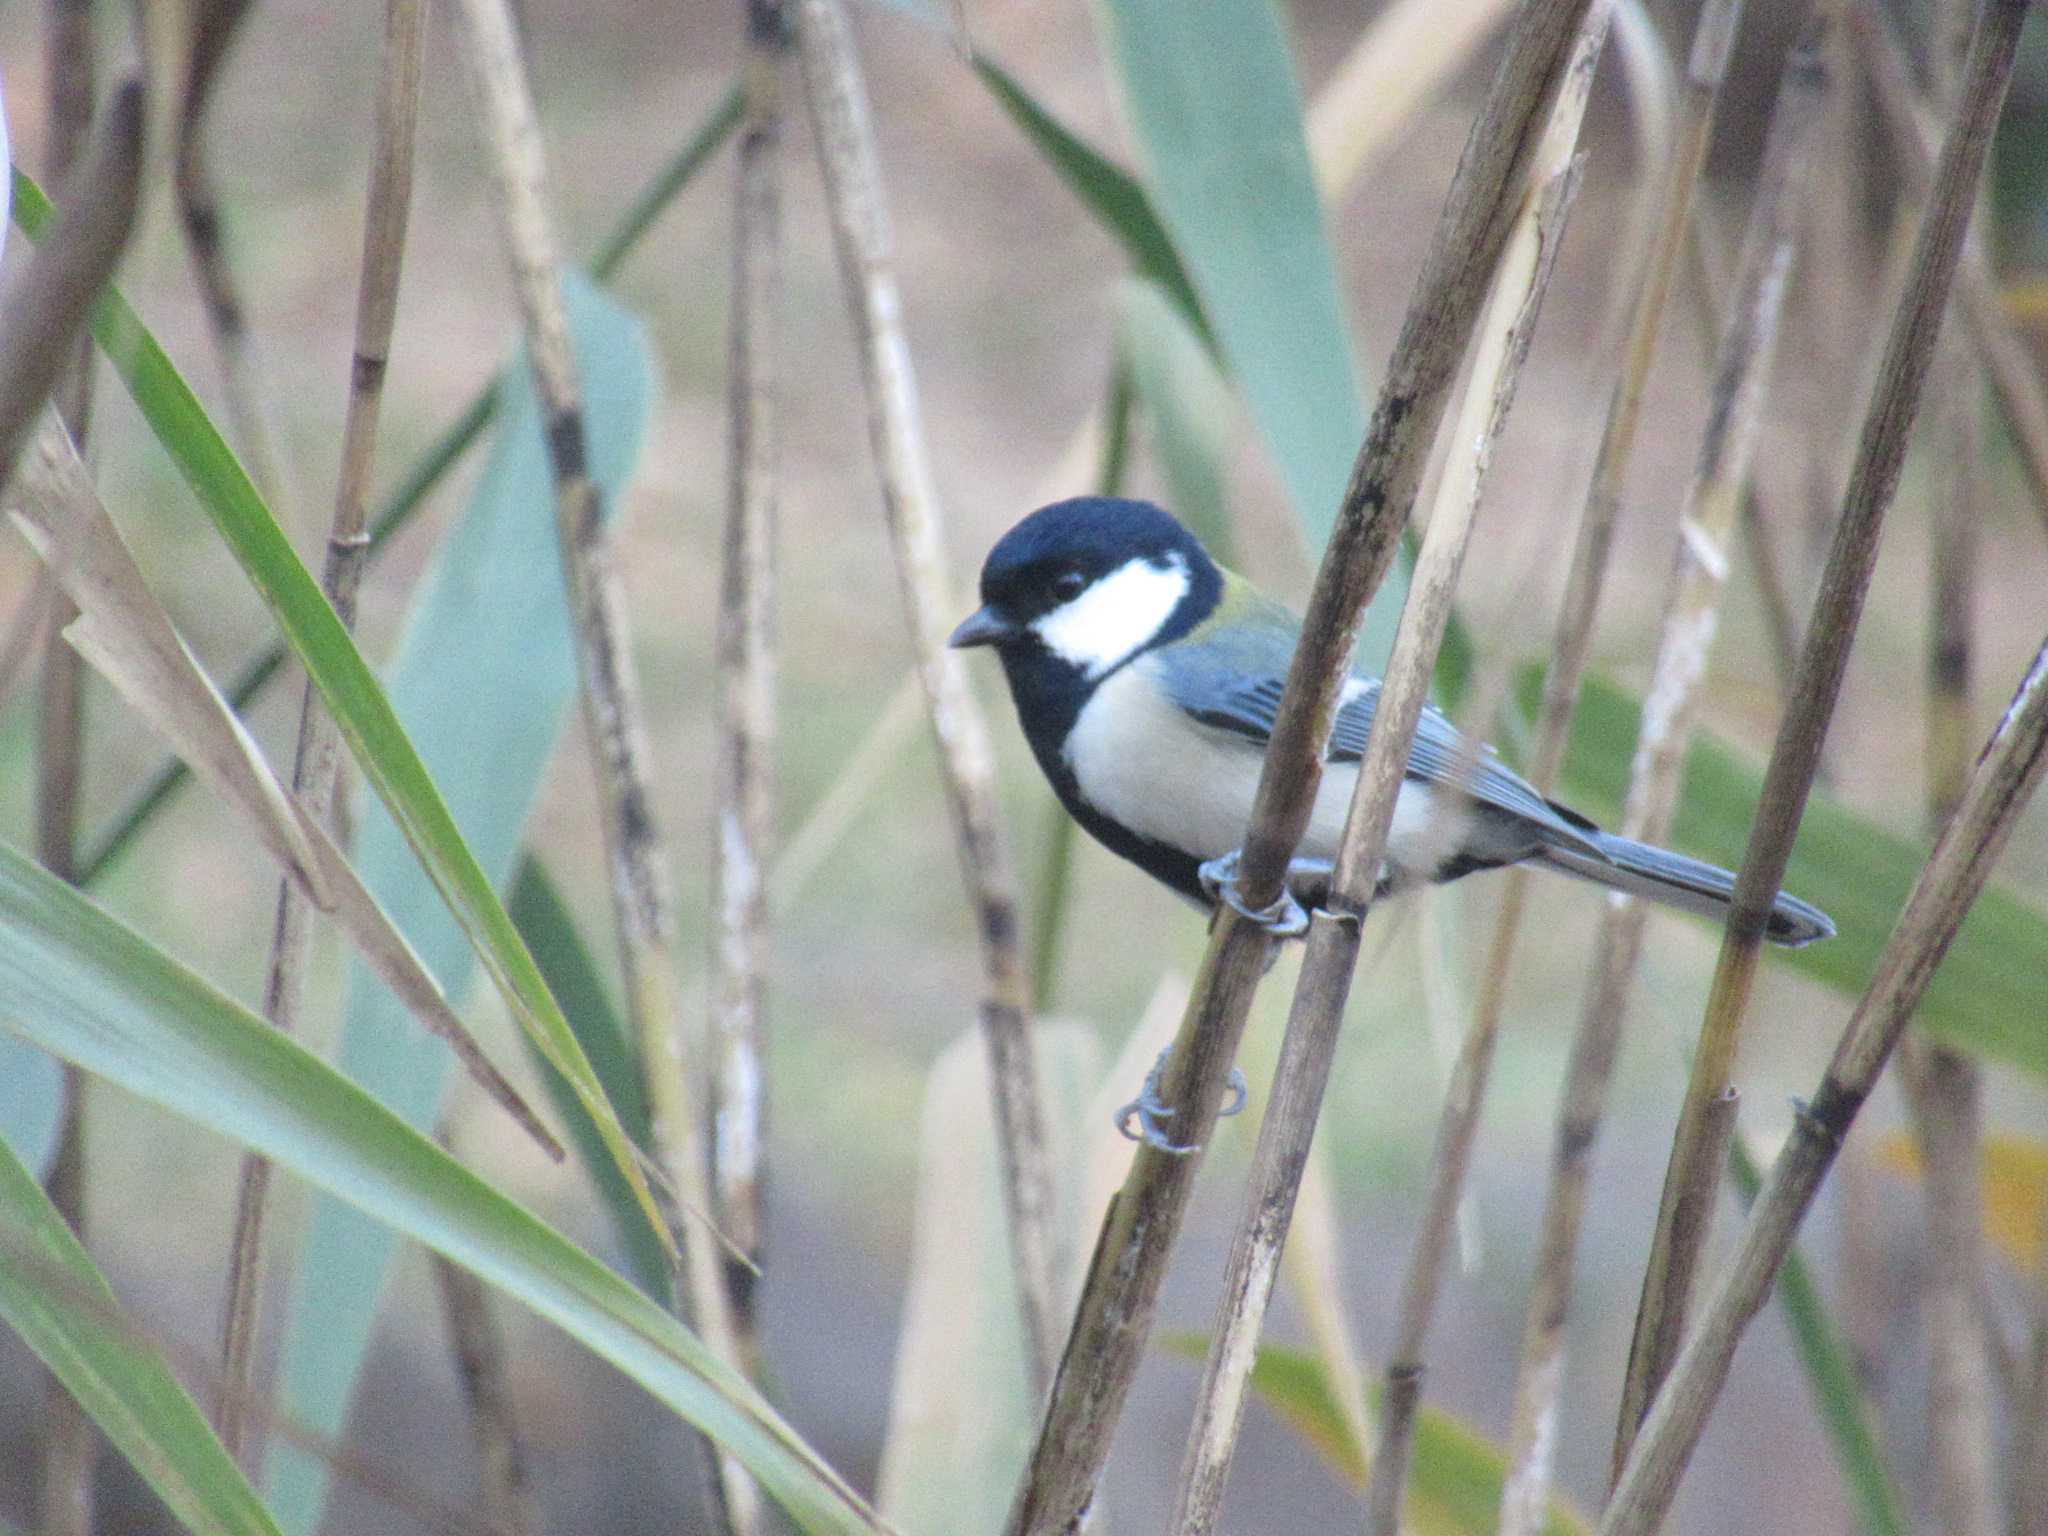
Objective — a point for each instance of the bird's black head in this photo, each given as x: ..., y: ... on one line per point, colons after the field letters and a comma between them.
x: 1089, y: 583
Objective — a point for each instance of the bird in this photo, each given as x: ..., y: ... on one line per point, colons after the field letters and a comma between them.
x: 1147, y: 677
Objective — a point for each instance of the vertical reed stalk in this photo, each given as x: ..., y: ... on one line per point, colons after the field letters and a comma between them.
x: 613, y: 717
x: 1309, y: 1044
x: 1120, y: 1296
x: 2005, y: 777
x: 1706, y: 527
x: 860, y: 226
x: 1691, y: 1177
x: 480, y: 1366
x: 1943, y: 1089
x: 2008, y: 361
x: 743, y: 775
x: 70, y: 1443
x: 317, y: 763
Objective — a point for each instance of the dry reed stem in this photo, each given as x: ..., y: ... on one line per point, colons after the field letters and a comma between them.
x: 317, y: 760
x: 613, y: 716
x: 2008, y: 361
x: 70, y: 1442
x: 1317, y: 1014
x: 1120, y: 1296
x: 743, y: 774
x: 1692, y: 1175
x: 1943, y: 1086
x: 861, y: 234
x: 1705, y: 533
x: 2006, y: 775
x: 1706, y: 528
x: 199, y: 215
x: 480, y: 1366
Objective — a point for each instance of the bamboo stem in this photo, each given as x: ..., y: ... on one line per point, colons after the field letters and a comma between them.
x: 1120, y: 1296
x: 860, y: 225
x: 614, y: 720
x: 2006, y: 775
x: 1691, y: 1177
x: 1309, y: 1044
x: 743, y: 774
x: 317, y: 764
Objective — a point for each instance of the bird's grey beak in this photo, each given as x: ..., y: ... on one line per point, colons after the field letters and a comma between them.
x: 984, y: 626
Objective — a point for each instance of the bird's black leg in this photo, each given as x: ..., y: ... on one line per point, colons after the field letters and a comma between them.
x: 1307, y: 880
x: 1151, y: 1112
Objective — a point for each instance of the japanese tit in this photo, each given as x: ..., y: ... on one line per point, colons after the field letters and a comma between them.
x: 1147, y: 678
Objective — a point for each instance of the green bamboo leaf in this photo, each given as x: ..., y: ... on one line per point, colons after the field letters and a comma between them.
x: 1454, y: 1487
x: 1825, y: 1358
x: 549, y: 928
x: 1210, y: 91
x: 1120, y: 204
x: 31, y: 1102
x: 324, y: 646
x: 1187, y: 406
x: 54, y: 1296
x: 81, y: 985
x: 1985, y: 998
x: 483, y: 677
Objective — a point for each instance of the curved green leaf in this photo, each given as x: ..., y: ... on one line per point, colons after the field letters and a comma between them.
x: 54, y: 1296
x: 1187, y: 405
x: 92, y: 991
x: 363, y: 714
x: 482, y: 680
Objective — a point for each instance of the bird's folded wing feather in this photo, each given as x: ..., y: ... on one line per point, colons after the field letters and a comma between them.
x: 1241, y: 694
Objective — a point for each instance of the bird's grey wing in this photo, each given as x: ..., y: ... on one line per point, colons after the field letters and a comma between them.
x: 1248, y: 702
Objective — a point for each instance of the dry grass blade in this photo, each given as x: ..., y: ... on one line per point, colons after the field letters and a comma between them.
x: 46, y: 305
x: 2004, y: 779
x: 1121, y: 1293
x: 1317, y: 1014
x: 480, y: 1366
x: 860, y: 224
x: 1706, y: 531
x: 317, y: 764
x: 2008, y: 362
x: 743, y: 776
x: 213, y: 27
x: 125, y: 634
x: 1692, y: 1175
x: 615, y: 722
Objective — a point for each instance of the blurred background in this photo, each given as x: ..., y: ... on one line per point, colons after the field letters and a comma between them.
x: 1011, y: 294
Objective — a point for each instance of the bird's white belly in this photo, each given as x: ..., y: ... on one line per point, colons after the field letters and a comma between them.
x: 1145, y: 764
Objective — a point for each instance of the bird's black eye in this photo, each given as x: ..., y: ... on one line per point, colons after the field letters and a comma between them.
x: 1069, y: 585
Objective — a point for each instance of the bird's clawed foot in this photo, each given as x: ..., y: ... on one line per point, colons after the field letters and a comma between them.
x: 1152, y: 1112
x: 1307, y: 880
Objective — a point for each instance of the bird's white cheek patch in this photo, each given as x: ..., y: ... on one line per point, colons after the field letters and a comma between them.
x: 1115, y: 616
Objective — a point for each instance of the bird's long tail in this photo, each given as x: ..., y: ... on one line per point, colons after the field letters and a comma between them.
x: 1676, y: 881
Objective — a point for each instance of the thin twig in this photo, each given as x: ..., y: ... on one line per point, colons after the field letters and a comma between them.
x: 1706, y: 532
x: 1943, y: 1086
x: 860, y: 225
x: 2006, y: 775
x: 1690, y: 1178
x: 199, y: 215
x: 613, y: 716
x: 317, y: 764
x: 1121, y: 1292
x: 1309, y: 1045
x: 70, y: 1442
x: 743, y: 775
x: 2008, y: 361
